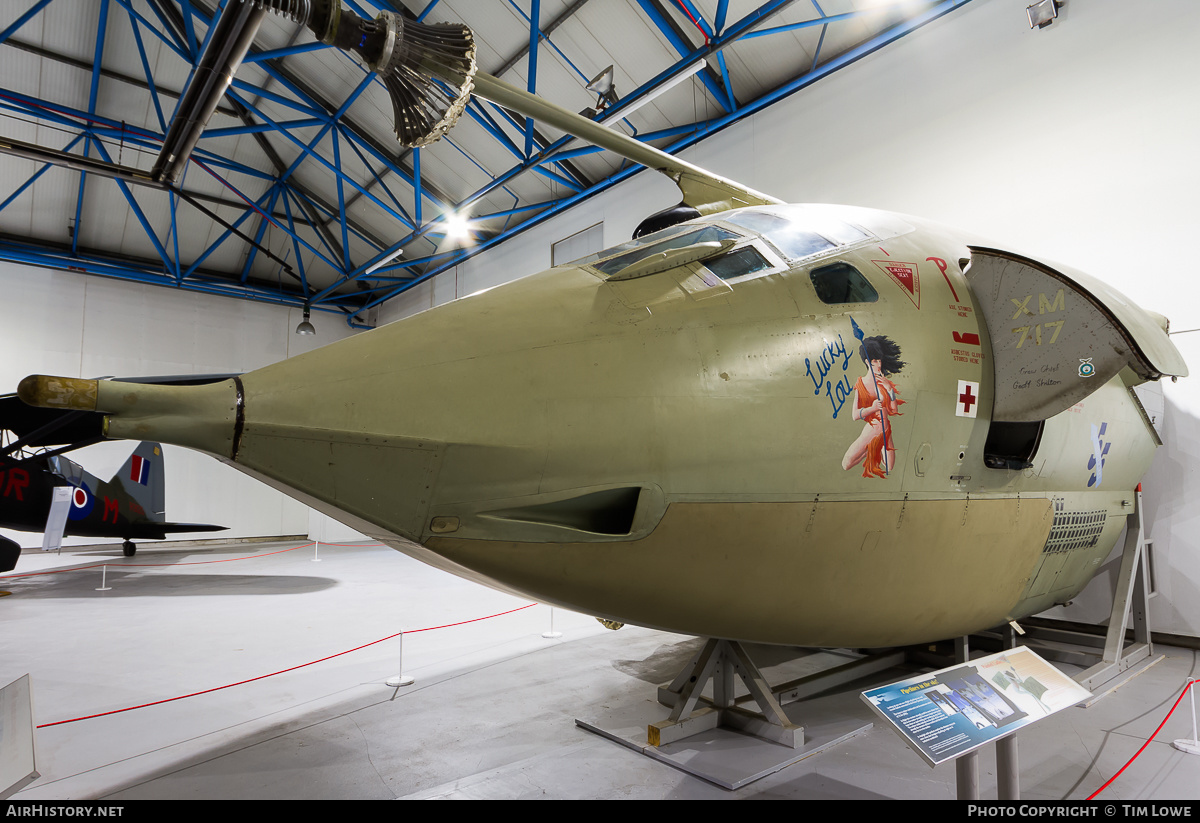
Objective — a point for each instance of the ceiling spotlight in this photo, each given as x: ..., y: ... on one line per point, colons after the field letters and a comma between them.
x: 603, y: 87
x: 305, y: 327
x: 625, y: 109
x: 456, y: 226
x: 1042, y: 13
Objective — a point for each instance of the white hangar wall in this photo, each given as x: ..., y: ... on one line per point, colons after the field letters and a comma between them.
x: 1075, y: 143
x: 68, y: 324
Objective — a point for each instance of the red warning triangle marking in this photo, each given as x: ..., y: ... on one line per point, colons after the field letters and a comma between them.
x: 905, y: 275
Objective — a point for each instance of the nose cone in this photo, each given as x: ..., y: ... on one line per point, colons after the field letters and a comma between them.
x: 45, y: 391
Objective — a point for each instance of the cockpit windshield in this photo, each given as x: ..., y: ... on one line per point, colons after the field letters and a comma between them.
x: 798, y: 232
x: 675, y: 237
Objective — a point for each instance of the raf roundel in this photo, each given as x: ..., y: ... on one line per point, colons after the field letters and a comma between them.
x: 81, y: 502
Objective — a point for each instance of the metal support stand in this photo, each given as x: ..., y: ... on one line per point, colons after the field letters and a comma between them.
x: 1130, y: 600
x: 719, y: 661
x: 706, y: 736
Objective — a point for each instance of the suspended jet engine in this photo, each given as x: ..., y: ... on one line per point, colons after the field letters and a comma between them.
x: 428, y: 69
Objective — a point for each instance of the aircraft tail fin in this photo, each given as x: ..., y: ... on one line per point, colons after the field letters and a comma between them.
x: 142, y: 479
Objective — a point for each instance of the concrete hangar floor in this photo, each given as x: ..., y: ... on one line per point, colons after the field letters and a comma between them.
x: 190, y: 675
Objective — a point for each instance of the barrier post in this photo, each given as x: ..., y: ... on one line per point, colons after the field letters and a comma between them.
x: 1190, y: 746
x: 401, y: 680
x: 551, y: 634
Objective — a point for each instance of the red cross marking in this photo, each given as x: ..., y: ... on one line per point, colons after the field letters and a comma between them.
x: 967, y: 399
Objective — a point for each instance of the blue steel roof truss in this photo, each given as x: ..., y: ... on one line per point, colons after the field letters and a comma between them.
x: 386, y: 178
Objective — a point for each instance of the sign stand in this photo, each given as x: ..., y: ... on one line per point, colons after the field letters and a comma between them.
x: 966, y: 768
x: 950, y: 714
x: 1008, y: 774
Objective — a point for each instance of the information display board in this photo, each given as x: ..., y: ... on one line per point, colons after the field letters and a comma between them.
x: 947, y: 713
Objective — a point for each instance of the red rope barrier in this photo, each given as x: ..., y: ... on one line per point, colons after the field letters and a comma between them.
x: 281, y: 671
x: 1189, y: 685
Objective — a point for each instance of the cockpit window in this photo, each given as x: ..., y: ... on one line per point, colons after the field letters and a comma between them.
x: 675, y: 237
x: 790, y: 238
x: 745, y: 260
x: 662, y: 234
x: 798, y: 232
x: 842, y: 283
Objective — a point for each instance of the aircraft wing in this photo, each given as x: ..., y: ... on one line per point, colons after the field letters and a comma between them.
x: 157, y: 531
x: 702, y: 190
x: 48, y: 427
x: 175, y: 528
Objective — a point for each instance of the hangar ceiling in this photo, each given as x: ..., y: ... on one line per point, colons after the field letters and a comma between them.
x: 298, y: 191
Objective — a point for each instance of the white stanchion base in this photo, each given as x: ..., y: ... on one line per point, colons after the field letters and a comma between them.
x: 400, y: 681
x: 551, y: 635
x: 1189, y: 746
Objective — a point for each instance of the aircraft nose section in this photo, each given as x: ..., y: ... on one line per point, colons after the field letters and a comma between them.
x: 45, y: 391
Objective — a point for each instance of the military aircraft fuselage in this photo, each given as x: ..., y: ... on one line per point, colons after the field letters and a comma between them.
x: 769, y: 425
x: 98, y: 508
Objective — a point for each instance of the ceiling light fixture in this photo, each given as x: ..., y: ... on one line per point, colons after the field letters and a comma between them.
x: 1042, y: 13
x: 604, y: 88
x: 456, y: 226
x: 305, y: 327
x: 389, y: 258
x: 621, y: 111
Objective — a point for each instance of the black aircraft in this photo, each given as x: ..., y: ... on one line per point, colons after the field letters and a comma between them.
x: 130, y: 505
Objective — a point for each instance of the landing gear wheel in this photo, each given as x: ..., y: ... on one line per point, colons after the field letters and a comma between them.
x: 128, y: 548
